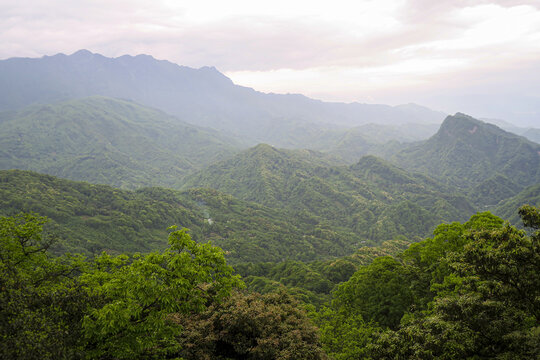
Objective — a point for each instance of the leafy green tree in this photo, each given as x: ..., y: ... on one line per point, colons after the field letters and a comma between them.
x: 379, y: 292
x: 487, y: 307
x: 344, y: 335
x: 41, y: 303
x: 531, y: 218
x: 426, y: 260
x: 142, y: 292
x: 250, y: 326
x: 110, y: 308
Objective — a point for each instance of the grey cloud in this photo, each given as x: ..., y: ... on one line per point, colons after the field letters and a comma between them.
x: 114, y: 28
x: 249, y: 43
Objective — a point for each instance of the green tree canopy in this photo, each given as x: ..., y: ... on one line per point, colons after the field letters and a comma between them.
x: 251, y: 326
x: 487, y: 306
x: 111, y: 307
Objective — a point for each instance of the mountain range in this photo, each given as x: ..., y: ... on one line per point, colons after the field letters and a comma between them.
x: 359, y: 211
x: 203, y: 97
x: 136, y: 123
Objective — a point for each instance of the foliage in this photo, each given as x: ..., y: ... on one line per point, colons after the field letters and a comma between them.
x: 470, y: 292
x: 379, y: 292
x: 250, y: 326
x: 487, y: 307
x: 344, y: 334
x: 94, y: 218
x: 312, y: 282
x: 142, y: 292
x: 108, y: 141
x: 40, y: 299
x: 108, y: 308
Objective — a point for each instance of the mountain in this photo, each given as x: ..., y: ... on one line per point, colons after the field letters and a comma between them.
x: 509, y: 207
x: 108, y: 141
x: 374, y: 139
x: 202, y: 96
x: 466, y: 152
x: 532, y: 134
x: 90, y: 218
x: 372, y: 198
x: 262, y: 174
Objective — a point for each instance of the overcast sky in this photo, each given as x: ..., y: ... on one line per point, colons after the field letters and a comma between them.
x: 478, y: 57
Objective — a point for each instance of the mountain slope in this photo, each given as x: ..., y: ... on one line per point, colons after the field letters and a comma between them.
x: 110, y: 141
x: 465, y: 152
x: 92, y: 218
x: 372, y: 198
x: 200, y: 96
x: 509, y: 207
x: 371, y: 139
x: 532, y: 134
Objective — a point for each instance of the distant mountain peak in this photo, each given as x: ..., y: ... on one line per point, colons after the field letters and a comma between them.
x: 466, y: 151
x: 460, y: 125
x: 82, y: 53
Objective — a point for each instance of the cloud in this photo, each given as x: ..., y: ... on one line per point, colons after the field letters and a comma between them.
x: 312, y: 35
x: 339, y: 49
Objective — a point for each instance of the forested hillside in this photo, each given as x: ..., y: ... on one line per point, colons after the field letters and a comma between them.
x: 372, y: 198
x: 507, y: 209
x: 93, y: 218
x: 107, y: 141
x: 467, y: 152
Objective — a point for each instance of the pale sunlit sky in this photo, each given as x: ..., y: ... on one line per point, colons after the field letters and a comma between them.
x: 480, y: 57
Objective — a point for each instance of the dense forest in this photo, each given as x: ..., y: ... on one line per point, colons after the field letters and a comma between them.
x: 153, y: 211
x: 470, y: 290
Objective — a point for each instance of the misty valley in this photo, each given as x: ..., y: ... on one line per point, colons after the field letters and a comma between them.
x: 156, y: 211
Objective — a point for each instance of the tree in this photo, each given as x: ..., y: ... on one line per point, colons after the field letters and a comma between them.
x: 426, y: 261
x: 487, y: 307
x: 108, y: 308
x: 250, y: 326
x: 142, y: 292
x: 378, y: 292
x: 345, y: 335
x: 41, y: 304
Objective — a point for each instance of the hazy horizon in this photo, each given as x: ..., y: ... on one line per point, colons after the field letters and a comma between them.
x: 477, y: 57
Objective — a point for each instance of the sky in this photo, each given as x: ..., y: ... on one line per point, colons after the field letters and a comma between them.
x: 478, y: 57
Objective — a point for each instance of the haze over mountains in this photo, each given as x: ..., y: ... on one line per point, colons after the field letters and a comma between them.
x: 92, y: 118
x: 109, y: 141
x: 199, y: 96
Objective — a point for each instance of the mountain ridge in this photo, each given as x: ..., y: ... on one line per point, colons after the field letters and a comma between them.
x: 202, y: 96
x: 466, y: 151
x: 363, y: 197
